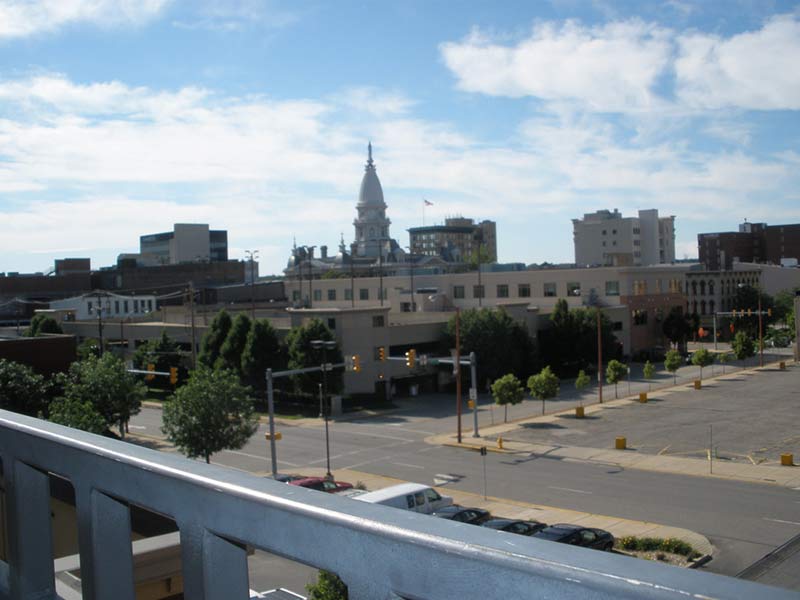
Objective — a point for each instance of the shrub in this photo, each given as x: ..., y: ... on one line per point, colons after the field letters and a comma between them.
x: 651, y: 544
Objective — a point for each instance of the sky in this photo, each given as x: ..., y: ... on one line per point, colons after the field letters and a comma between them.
x: 119, y: 118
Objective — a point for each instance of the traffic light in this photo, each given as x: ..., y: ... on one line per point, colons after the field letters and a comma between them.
x: 356, y: 363
x: 150, y: 367
x: 749, y: 312
x: 173, y: 375
x: 769, y: 312
x: 411, y: 358
x: 382, y: 354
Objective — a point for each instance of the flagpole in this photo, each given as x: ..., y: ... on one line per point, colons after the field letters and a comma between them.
x: 423, y: 212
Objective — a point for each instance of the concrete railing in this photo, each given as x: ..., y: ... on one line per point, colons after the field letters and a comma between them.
x: 380, y: 552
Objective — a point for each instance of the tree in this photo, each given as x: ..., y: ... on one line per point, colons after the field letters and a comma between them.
x: 676, y: 326
x: 213, y: 411
x: 615, y: 371
x: 742, y: 346
x: 501, y: 344
x: 21, y: 389
x: 702, y: 358
x: 262, y: 349
x: 230, y: 353
x: 302, y: 354
x: 79, y: 414
x: 747, y: 298
x: 214, y: 338
x: 724, y: 359
x: 507, y: 390
x: 582, y: 381
x: 41, y: 324
x: 104, y: 382
x: 163, y: 352
x: 327, y: 587
x: 672, y: 362
x: 649, y: 372
x: 544, y: 385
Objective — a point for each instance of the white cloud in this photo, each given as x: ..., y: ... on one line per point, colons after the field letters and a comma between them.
x: 235, y: 15
x: 375, y: 101
x: 612, y: 67
x: 752, y: 70
x: 19, y: 18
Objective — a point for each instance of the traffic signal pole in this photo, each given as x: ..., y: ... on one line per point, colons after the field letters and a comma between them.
x: 458, y: 371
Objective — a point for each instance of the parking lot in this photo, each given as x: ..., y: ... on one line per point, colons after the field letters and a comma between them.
x: 747, y: 416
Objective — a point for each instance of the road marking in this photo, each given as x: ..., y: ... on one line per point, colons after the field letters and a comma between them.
x: 137, y: 427
x: 664, y: 449
x: 781, y: 521
x: 258, y: 457
x: 407, y: 465
x: 377, y: 435
x: 555, y: 487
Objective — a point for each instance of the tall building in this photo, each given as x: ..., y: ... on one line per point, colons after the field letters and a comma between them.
x: 753, y: 243
x: 457, y: 240
x: 188, y: 242
x: 607, y: 238
x: 371, y: 224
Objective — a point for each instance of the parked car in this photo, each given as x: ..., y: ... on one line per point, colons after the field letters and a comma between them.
x: 515, y: 526
x: 408, y: 496
x: 322, y: 485
x: 587, y: 537
x: 462, y: 514
x: 285, y: 477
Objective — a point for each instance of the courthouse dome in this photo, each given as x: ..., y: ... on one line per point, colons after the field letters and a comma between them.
x: 371, y: 192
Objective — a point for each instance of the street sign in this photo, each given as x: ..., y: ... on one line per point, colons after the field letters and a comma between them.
x: 278, y: 436
x: 473, y: 394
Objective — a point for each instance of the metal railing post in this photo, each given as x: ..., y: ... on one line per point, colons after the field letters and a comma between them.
x: 473, y: 367
x: 271, y: 410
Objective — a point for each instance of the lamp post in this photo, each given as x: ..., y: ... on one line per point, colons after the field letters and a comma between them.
x: 99, y: 296
x: 480, y: 284
x: 411, y: 271
x: 325, y: 345
x: 251, y: 256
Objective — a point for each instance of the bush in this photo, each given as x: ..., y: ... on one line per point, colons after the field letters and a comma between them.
x: 651, y: 544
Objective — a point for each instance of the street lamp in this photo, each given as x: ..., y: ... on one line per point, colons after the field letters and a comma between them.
x: 411, y: 271
x: 325, y: 345
x: 99, y: 310
x: 251, y: 256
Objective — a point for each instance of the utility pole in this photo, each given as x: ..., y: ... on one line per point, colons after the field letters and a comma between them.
x: 599, y: 357
x: 473, y: 392
x: 98, y: 295
x: 458, y: 371
x: 480, y: 285
x: 194, y: 335
x: 271, y: 410
x: 252, y: 255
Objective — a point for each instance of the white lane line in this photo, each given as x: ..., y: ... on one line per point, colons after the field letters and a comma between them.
x: 377, y: 435
x: 407, y: 465
x: 258, y: 457
x: 781, y: 521
x: 137, y: 427
x: 555, y: 487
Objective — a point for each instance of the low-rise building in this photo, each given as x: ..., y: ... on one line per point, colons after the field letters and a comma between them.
x: 753, y: 243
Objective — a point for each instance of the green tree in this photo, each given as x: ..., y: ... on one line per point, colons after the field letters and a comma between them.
x: 501, y: 344
x: 21, y: 389
x: 230, y: 353
x: 214, y: 338
x: 672, y: 362
x: 544, y: 385
x: 79, y: 414
x: 677, y: 326
x: 213, y: 411
x: 649, y: 372
x: 742, y: 346
x: 262, y: 349
x: 327, y: 587
x: 582, y: 380
x: 163, y: 352
x: 747, y: 298
x: 104, y: 382
x: 702, y: 358
x: 41, y: 324
x: 302, y: 354
x: 615, y: 372
x: 507, y: 390
x: 88, y: 347
x: 724, y: 359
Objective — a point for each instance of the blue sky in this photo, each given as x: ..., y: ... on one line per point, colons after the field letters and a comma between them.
x: 120, y: 118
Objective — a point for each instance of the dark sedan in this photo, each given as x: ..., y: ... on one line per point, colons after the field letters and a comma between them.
x: 515, y: 526
x: 462, y: 514
x: 587, y: 537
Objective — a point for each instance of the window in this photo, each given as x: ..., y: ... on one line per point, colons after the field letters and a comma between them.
x: 363, y: 294
x: 410, y: 501
x: 458, y: 291
x: 574, y: 288
x: 524, y: 290
x: 125, y: 306
x: 612, y: 288
x: 348, y: 294
x: 378, y: 321
x: 116, y: 306
x: 613, y: 232
x: 616, y: 326
x: 419, y: 498
x: 89, y: 306
x: 150, y: 305
x: 433, y: 495
x: 331, y: 324
x: 604, y: 231
x: 332, y: 294
x: 550, y: 290
x: 478, y: 291
x: 639, y: 287
x: 317, y: 295
x: 636, y: 231
x: 136, y: 306
x: 639, y: 317
x: 637, y: 243
x: 295, y: 295
x: 502, y: 291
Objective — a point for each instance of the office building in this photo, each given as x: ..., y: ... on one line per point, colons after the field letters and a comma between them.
x: 187, y: 242
x: 458, y: 240
x: 753, y: 243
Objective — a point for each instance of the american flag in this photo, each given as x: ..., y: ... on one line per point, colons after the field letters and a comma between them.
x: 427, y: 203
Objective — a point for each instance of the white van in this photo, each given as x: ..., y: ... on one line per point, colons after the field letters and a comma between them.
x: 408, y: 496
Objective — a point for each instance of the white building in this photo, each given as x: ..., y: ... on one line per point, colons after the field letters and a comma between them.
x: 187, y: 242
x: 111, y: 305
x: 607, y: 238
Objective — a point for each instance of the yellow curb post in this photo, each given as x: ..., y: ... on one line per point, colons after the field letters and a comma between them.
x: 621, y: 443
x: 579, y: 412
x: 782, y: 365
x: 643, y: 397
x: 500, y: 442
x: 698, y: 384
x: 787, y: 460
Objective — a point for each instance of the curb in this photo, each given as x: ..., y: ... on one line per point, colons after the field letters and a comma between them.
x: 705, y: 559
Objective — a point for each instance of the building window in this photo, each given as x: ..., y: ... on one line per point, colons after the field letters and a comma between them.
x: 150, y: 305
x: 524, y: 290
x: 116, y: 307
x: 363, y: 294
x: 89, y: 306
x: 616, y: 326
x: 332, y: 324
x: 295, y: 295
x: 550, y: 290
x: 636, y: 231
x: 612, y: 288
x: 478, y: 291
x: 348, y: 294
x: 378, y: 321
x: 125, y: 306
x: 458, y: 291
x: 613, y: 232
x: 573, y: 288
x: 332, y: 294
x: 136, y: 306
x: 639, y: 317
x: 502, y: 291
x: 604, y: 231
x: 317, y: 295
x: 639, y: 287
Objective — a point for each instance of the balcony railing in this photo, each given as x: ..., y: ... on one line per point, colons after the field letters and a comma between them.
x: 380, y: 552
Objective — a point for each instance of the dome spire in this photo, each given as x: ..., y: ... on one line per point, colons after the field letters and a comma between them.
x: 369, y: 154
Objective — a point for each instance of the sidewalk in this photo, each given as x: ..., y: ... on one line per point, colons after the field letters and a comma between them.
x: 500, y: 507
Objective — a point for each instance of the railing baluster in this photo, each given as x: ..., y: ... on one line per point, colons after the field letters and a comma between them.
x: 213, y: 567
x: 30, y: 532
